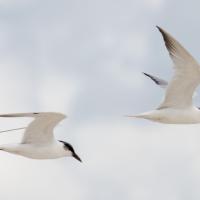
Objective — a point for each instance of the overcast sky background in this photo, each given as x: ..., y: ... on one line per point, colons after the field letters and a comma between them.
x: 84, y: 59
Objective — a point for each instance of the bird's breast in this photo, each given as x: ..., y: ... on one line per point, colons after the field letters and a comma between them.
x: 36, y: 151
x: 176, y: 116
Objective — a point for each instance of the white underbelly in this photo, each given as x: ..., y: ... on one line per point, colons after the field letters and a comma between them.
x: 175, y: 116
x: 40, y: 153
x: 36, y: 151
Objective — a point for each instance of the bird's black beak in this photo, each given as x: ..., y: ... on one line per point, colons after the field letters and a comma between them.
x: 77, y: 157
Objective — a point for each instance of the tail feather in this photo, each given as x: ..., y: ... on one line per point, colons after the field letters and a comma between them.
x: 135, y: 116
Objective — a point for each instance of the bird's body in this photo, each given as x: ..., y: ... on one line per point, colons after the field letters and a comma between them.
x: 37, y: 151
x: 38, y: 141
x: 177, y: 106
x: 173, y: 116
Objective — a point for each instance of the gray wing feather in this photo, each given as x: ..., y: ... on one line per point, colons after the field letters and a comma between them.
x: 40, y: 130
x: 162, y: 83
x: 186, y: 78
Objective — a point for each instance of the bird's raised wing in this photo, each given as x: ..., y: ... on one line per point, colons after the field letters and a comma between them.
x: 162, y: 83
x: 40, y: 130
x: 186, y: 77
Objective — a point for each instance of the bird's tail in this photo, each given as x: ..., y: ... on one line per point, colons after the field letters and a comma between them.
x: 153, y: 115
x: 136, y: 116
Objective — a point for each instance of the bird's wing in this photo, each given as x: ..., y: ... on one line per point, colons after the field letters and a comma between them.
x: 40, y: 130
x: 186, y: 76
x: 162, y: 83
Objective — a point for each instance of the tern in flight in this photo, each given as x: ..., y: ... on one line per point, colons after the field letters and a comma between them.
x: 177, y: 106
x: 38, y: 141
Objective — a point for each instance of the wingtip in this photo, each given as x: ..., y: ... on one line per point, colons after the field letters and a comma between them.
x: 145, y: 74
x: 148, y: 75
x: 159, y: 28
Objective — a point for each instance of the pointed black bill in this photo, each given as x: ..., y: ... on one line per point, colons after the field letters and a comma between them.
x: 77, y: 157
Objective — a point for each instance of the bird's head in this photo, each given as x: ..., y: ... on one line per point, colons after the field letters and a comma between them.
x: 68, y: 147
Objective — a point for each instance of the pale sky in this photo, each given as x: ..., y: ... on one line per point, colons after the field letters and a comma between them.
x: 84, y: 59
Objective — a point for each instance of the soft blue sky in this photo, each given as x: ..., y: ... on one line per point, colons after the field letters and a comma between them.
x: 84, y: 59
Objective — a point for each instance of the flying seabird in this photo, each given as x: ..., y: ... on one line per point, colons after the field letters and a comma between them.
x: 177, y: 106
x: 38, y: 141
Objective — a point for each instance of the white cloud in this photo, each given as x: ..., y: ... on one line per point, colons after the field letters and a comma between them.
x: 57, y: 93
x: 139, y: 160
x: 155, y: 4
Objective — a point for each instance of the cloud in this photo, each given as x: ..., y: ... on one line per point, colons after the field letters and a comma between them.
x: 140, y: 161
x: 155, y: 4
x: 85, y: 59
x: 57, y: 93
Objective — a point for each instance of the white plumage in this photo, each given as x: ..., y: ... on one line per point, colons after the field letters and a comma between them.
x: 38, y: 141
x: 177, y: 106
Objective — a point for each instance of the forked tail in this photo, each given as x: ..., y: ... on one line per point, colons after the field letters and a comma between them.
x: 136, y: 116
